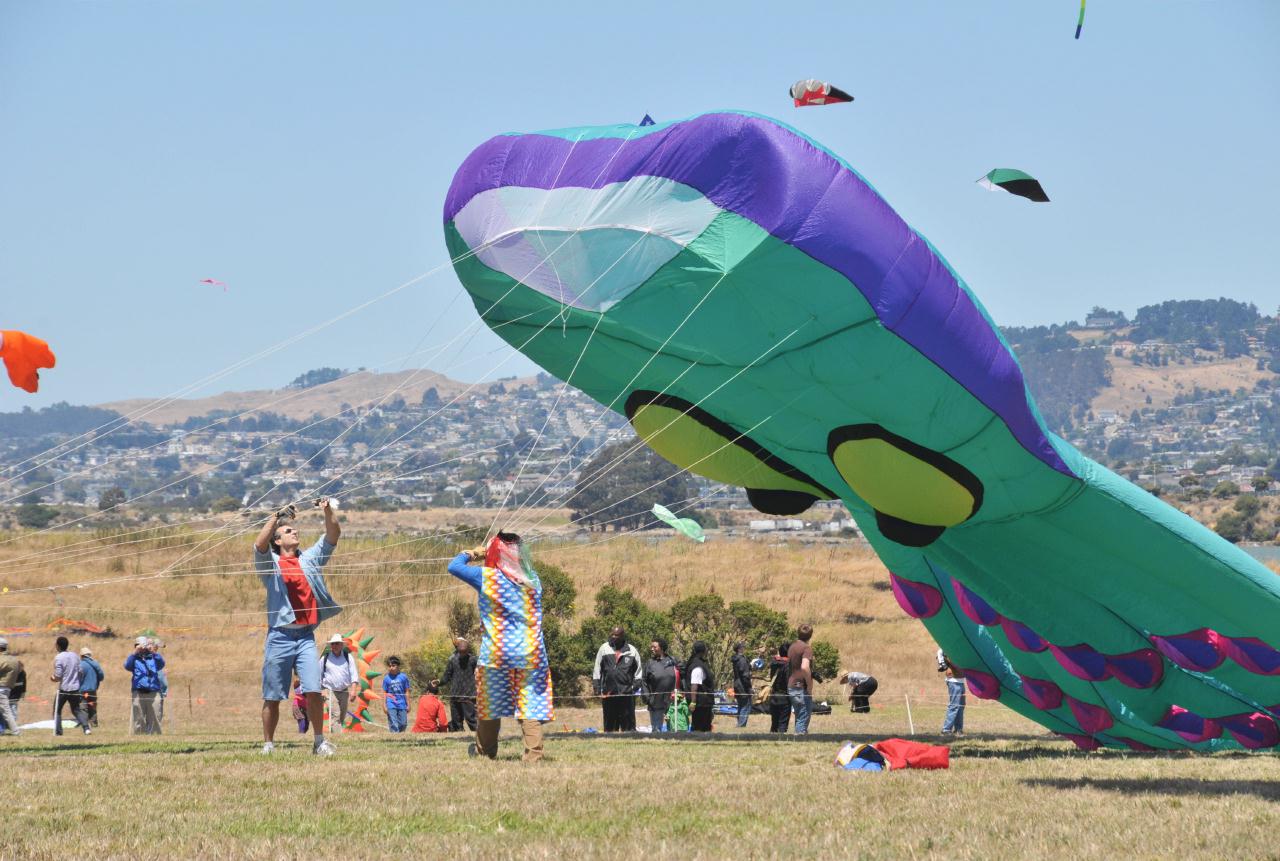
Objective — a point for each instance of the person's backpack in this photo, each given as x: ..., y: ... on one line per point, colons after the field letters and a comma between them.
x: 678, y: 715
x: 19, y: 689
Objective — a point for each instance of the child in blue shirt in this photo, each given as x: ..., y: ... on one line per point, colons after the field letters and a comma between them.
x: 395, y: 685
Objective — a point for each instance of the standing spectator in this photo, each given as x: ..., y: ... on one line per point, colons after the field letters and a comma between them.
x: 460, y: 676
x: 953, y: 723
x: 742, y: 682
x: 779, y: 701
x: 162, y: 676
x: 513, y: 678
x: 17, y: 692
x: 340, y: 676
x: 300, y: 707
x: 614, y: 676
x: 9, y: 669
x: 800, y: 678
x: 702, y: 687
x: 66, y: 672
x: 297, y: 601
x: 145, y: 665
x: 431, y: 716
x: 661, y: 676
x: 395, y: 685
x: 91, y: 678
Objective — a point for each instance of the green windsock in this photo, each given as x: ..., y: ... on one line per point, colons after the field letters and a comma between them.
x: 682, y: 525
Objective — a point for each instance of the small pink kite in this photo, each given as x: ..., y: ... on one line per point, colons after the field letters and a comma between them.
x: 213, y: 282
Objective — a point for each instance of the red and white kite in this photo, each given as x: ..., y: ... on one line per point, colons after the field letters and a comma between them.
x: 815, y: 92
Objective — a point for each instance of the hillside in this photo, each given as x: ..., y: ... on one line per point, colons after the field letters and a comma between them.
x: 1132, y: 384
x: 356, y: 389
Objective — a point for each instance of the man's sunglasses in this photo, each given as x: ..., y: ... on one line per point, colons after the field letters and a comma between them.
x: 288, y: 530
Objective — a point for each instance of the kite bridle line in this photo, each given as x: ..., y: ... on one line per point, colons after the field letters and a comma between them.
x: 689, y: 468
x: 147, y: 409
x: 330, y: 570
x: 281, y: 345
x: 627, y: 388
x: 262, y: 408
x: 474, y: 325
x: 457, y: 397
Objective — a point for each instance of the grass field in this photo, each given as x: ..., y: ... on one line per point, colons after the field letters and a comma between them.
x: 202, y: 790
x: 209, y: 794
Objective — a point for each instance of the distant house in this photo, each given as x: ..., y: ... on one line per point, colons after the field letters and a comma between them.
x: 1104, y: 321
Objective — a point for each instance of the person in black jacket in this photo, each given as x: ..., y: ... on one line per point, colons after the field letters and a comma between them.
x: 779, y: 701
x: 661, y: 674
x: 742, y: 682
x: 702, y: 688
x: 614, y: 678
x: 460, y: 677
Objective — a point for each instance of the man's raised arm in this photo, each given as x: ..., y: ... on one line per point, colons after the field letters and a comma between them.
x: 263, y: 542
x: 332, y: 529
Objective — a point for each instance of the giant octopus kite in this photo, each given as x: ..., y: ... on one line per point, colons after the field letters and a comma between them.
x: 764, y: 318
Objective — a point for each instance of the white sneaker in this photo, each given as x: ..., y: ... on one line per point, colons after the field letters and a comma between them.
x: 268, y: 748
x: 88, y: 731
x: 324, y: 748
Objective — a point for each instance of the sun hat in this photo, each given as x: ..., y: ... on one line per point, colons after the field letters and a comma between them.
x: 86, y: 651
x: 4, y: 644
x: 141, y: 641
x: 336, y: 638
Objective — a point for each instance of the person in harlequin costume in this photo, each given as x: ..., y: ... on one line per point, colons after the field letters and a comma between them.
x: 513, y: 677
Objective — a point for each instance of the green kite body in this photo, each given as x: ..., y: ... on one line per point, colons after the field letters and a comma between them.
x: 764, y: 318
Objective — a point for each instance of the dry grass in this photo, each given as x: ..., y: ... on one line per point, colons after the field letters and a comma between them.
x: 203, y: 790
x: 209, y: 796
x: 1131, y: 384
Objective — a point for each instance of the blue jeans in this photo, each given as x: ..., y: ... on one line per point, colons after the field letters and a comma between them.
x: 658, y: 719
x: 744, y: 708
x: 397, y: 719
x: 802, y: 706
x: 289, y: 651
x: 955, y: 706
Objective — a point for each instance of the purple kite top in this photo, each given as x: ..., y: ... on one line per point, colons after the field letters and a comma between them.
x: 803, y: 195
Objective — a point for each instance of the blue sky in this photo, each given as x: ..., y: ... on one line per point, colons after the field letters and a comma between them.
x: 301, y: 153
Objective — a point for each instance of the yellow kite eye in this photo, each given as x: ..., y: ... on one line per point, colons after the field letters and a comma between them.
x: 924, y: 490
x: 695, y: 440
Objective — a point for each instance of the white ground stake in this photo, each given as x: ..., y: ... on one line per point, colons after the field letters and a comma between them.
x: 911, y: 723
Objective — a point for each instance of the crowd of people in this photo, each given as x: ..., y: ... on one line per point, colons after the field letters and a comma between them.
x: 78, y: 677
x: 509, y: 678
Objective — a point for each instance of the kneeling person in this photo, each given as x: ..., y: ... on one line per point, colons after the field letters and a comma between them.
x: 297, y: 601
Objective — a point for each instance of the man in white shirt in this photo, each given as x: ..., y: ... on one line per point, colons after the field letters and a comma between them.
x: 339, y: 676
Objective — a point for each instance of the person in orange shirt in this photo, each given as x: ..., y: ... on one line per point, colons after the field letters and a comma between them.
x: 431, y: 714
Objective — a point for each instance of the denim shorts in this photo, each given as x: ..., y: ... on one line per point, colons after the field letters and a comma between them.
x: 289, y: 651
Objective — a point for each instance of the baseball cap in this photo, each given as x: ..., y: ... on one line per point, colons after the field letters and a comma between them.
x: 141, y: 641
x: 336, y: 638
x: 86, y: 651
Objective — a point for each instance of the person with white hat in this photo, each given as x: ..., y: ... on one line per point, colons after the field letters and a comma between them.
x: 9, y: 669
x: 91, y: 678
x: 145, y: 665
x: 339, y: 675
x: 297, y: 602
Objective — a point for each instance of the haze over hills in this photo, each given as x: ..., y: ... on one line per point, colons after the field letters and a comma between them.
x: 360, y: 388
